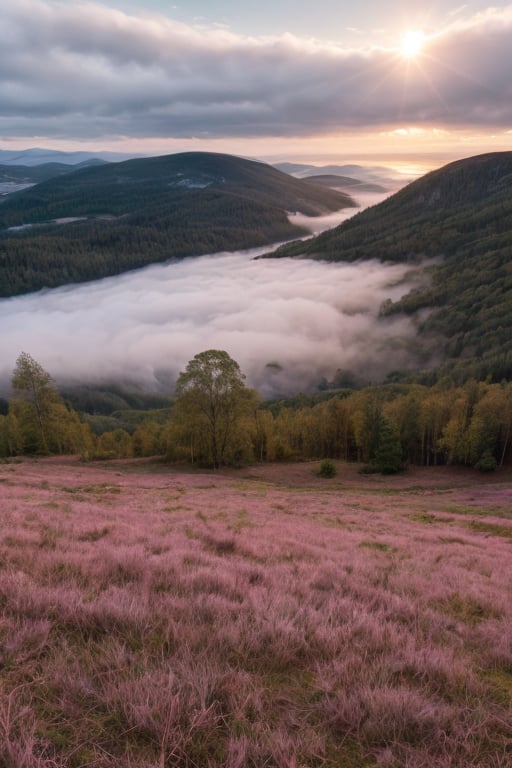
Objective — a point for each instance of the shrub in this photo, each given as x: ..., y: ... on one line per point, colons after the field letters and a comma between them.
x: 327, y: 468
x: 486, y: 462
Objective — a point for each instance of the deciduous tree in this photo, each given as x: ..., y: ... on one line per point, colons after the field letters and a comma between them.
x: 44, y: 421
x: 35, y: 391
x: 212, y: 400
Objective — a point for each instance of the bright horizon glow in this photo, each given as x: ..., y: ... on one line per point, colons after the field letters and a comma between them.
x: 400, y: 149
x: 164, y: 78
x: 412, y: 44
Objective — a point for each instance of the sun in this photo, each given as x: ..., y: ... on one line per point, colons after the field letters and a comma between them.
x: 412, y: 44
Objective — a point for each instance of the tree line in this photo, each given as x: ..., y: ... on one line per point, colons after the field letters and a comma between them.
x: 217, y: 420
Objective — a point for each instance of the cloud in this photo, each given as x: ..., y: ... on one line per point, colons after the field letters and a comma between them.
x: 76, y: 71
x: 458, y: 10
x: 144, y: 326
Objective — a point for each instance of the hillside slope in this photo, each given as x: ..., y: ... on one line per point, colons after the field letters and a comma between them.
x: 460, y: 215
x: 125, y: 215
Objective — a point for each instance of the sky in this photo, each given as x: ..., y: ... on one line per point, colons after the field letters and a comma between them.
x: 278, y: 80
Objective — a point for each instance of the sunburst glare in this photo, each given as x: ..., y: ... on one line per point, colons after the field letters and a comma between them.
x: 412, y: 44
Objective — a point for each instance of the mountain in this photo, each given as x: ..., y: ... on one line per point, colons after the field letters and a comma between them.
x: 107, y: 219
x: 15, y: 178
x: 344, y: 182
x: 37, y: 156
x: 458, y: 219
x: 374, y: 174
x: 37, y: 173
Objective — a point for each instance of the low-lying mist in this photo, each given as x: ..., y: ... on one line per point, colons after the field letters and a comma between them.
x: 287, y: 322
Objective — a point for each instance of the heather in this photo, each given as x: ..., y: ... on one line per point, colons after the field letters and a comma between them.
x: 260, y: 617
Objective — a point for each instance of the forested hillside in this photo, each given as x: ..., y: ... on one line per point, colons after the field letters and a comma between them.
x: 460, y: 216
x: 125, y: 215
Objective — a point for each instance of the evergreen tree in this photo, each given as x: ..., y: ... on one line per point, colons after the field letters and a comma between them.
x: 388, y: 456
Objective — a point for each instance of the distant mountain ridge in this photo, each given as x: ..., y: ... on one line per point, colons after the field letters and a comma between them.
x: 107, y: 219
x: 37, y: 156
x: 373, y: 174
x: 347, y: 183
x: 26, y: 174
x: 460, y: 215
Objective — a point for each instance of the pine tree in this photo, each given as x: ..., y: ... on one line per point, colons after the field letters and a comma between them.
x: 388, y: 456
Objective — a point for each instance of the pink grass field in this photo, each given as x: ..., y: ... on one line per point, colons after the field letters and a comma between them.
x: 155, y: 616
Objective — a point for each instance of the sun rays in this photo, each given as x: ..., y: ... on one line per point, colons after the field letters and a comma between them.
x: 411, y: 44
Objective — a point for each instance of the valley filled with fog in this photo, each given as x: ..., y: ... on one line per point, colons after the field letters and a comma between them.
x: 287, y: 322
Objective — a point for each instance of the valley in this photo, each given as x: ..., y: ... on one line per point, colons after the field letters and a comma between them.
x: 262, y: 311
x: 255, y: 384
x: 110, y: 218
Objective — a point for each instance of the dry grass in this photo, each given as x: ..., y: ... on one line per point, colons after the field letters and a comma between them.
x: 266, y: 618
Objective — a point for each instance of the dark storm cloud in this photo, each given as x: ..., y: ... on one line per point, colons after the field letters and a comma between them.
x: 78, y: 71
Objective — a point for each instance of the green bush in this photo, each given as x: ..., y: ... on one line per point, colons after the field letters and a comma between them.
x: 486, y: 462
x: 327, y: 468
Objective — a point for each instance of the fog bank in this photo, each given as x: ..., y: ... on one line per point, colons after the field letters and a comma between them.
x: 287, y: 322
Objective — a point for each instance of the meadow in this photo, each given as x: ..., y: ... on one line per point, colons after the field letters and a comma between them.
x: 157, y: 617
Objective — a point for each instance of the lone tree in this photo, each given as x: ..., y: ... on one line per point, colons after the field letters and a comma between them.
x: 34, y: 386
x: 45, y: 423
x: 211, y: 400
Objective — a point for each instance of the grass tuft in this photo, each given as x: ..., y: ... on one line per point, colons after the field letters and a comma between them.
x: 466, y: 609
x: 379, y: 546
